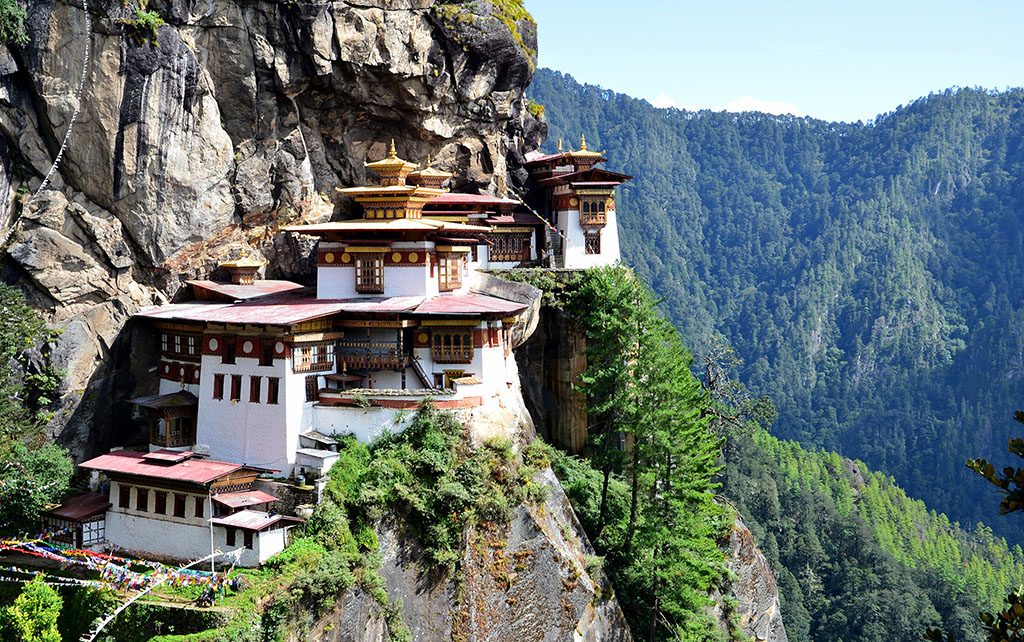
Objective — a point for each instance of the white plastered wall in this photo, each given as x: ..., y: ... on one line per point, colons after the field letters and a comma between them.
x: 243, y: 432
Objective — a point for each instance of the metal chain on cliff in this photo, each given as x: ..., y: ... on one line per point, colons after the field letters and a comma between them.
x: 80, y: 93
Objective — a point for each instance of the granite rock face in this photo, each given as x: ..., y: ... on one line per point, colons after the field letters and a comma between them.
x: 527, y: 582
x: 754, y: 591
x: 197, y: 144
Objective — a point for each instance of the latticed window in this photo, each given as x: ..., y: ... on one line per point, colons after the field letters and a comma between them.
x: 454, y: 346
x: 180, y: 346
x: 312, y: 389
x: 592, y: 243
x: 592, y: 211
x: 313, y: 357
x: 449, y: 272
x: 370, y: 273
x: 510, y: 247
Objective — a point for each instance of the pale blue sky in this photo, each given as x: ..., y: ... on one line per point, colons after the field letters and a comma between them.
x: 831, y: 60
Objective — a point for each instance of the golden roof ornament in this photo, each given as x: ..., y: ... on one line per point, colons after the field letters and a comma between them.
x: 583, y: 142
x: 559, y: 144
x: 391, y: 170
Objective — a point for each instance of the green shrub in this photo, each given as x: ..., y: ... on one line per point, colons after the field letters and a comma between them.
x: 12, y: 23
x: 535, y: 108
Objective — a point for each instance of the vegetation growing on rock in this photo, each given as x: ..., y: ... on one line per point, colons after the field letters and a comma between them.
x: 12, y: 23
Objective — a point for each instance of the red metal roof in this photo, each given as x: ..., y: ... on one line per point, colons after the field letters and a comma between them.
x: 232, y: 292
x: 180, y: 399
x: 518, y: 218
x: 592, y: 174
x: 469, y: 199
x: 253, y: 520
x: 81, y: 507
x: 129, y: 462
x: 279, y: 309
x: 469, y: 304
x: 244, y: 498
x: 166, y: 454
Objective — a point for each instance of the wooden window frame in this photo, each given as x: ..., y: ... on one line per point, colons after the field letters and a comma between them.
x: 142, y: 499
x: 592, y: 242
x: 230, y: 353
x: 449, y: 271
x: 255, y: 383
x: 218, y: 386
x: 179, y: 505
x: 199, y: 510
x: 273, y: 390
x: 459, y: 349
x: 229, y: 536
x: 313, y: 357
x: 124, y: 496
x: 236, y: 387
x: 369, y: 273
x: 160, y: 502
x: 312, y: 388
x: 267, y: 353
x: 247, y: 539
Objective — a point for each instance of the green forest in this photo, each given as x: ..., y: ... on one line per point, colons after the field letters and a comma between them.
x: 869, y: 275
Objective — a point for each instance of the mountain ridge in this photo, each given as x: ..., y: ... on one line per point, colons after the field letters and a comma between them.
x: 863, y: 272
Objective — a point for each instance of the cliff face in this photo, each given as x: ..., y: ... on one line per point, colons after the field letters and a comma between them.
x: 527, y: 582
x: 200, y: 142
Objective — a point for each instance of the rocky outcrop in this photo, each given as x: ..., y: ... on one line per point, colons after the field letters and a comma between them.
x: 550, y: 363
x: 752, y: 601
x: 532, y: 580
x: 238, y: 117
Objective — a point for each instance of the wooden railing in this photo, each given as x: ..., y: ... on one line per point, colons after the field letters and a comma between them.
x: 456, y: 354
x: 372, y: 355
x: 593, y: 218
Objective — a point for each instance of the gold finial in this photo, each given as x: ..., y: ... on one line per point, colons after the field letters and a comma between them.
x: 559, y: 144
x: 428, y: 161
x: 583, y: 142
x: 392, y: 153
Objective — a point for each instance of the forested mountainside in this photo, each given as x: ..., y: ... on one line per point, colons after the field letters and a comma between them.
x: 869, y: 275
x: 855, y: 558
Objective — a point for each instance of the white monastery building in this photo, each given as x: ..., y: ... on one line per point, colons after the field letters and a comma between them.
x: 256, y: 377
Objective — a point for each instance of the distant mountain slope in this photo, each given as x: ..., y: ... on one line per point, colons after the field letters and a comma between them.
x: 855, y: 558
x: 871, y: 276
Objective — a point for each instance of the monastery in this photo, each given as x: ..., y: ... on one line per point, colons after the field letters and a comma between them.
x: 257, y: 377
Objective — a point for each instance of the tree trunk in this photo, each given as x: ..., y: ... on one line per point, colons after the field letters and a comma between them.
x: 634, y: 493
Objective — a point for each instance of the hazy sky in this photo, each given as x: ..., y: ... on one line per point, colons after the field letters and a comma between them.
x: 833, y: 60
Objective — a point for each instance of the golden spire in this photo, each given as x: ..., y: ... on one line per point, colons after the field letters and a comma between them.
x: 559, y: 144
x: 392, y: 153
x: 583, y: 142
x: 428, y: 161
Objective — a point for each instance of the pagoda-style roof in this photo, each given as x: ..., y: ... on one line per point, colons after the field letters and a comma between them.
x: 429, y: 176
x: 582, y: 156
x: 592, y: 175
x: 395, y: 226
x: 179, y: 399
x: 81, y: 507
x: 205, y: 290
x: 191, y: 469
x: 246, y: 262
x: 392, y: 170
x: 290, y: 308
